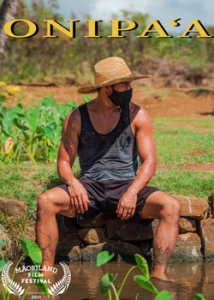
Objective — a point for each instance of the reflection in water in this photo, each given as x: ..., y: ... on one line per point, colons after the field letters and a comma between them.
x: 190, y: 278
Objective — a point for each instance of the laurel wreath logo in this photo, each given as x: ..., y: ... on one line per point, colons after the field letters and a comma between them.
x: 16, y: 289
x: 10, y: 285
x: 62, y: 285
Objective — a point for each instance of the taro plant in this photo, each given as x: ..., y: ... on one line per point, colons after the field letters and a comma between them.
x: 107, y: 281
x: 32, y: 250
x: 32, y: 133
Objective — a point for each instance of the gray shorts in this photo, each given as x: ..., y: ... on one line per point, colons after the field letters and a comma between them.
x: 104, y: 196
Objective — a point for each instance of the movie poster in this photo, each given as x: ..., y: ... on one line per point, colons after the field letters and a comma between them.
x: 49, y: 50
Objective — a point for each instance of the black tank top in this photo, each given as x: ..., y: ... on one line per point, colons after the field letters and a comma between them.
x: 107, y: 156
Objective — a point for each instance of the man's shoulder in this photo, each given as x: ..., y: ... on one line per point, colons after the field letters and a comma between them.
x: 138, y: 113
x: 73, y: 115
x: 72, y: 121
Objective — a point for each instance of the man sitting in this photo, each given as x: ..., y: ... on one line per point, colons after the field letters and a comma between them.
x: 108, y: 134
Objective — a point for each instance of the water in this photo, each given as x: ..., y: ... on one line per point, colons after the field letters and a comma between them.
x: 190, y: 278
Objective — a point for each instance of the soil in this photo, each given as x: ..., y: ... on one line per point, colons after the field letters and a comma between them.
x: 158, y: 102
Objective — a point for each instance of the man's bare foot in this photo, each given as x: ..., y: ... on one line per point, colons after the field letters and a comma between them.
x: 162, y: 276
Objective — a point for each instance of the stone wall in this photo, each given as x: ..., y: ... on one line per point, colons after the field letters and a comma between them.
x: 126, y: 238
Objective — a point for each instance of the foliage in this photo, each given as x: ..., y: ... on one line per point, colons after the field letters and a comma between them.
x: 184, y: 182
x: 107, y: 281
x: 32, y: 133
x: 64, y: 55
x: 32, y: 250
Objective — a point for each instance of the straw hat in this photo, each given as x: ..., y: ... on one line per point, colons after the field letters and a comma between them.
x: 110, y: 71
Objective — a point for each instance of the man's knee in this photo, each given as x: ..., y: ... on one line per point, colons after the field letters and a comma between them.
x: 171, y: 209
x: 45, y: 203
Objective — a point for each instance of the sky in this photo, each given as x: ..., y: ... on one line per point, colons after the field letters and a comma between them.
x: 162, y: 10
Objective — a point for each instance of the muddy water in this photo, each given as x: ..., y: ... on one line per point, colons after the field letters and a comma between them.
x: 190, y: 278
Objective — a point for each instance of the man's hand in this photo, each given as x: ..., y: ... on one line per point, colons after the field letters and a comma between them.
x: 127, y: 205
x: 78, y: 195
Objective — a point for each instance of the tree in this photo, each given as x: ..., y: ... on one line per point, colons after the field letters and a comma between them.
x: 8, y: 11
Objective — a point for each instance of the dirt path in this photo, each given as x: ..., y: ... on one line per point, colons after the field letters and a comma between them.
x: 158, y: 102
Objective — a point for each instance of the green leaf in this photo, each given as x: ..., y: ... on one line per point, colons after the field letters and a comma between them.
x: 106, y: 283
x: 199, y: 297
x: 72, y: 104
x: 3, y: 242
x: 32, y: 119
x: 48, y: 101
x: 1, y: 107
x: 56, y: 115
x: 49, y: 132
x: 142, y: 265
x: 20, y: 124
x: 86, y: 98
x: 32, y: 250
x: 146, y: 284
x: 42, y: 285
x: 164, y: 295
x: 2, y: 264
x: 103, y: 257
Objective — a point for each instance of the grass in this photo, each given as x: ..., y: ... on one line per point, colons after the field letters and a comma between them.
x: 188, y: 183
x: 26, y: 182
x: 178, y: 142
x: 182, y: 141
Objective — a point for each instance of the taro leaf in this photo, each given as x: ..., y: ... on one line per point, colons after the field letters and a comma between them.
x: 40, y: 282
x: 56, y: 115
x: 199, y: 297
x: 1, y: 107
x: 72, y: 104
x: 103, y: 257
x: 146, y: 284
x: 48, y: 101
x: 32, y: 119
x: 106, y: 283
x: 164, y: 295
x: 18, y: 108
x: 3, y: 242
x: 7, y: 131
x: 40, y: 130
x: 2, y: 264
x: 87, y: 98
x: 52, y: 153
x: 8, y: 119
x: 32, y: 250
x: 142, y: 265
x: 49, y: 133
x: 19, y: 124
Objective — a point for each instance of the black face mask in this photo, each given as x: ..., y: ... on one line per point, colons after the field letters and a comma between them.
x: 121, y: 98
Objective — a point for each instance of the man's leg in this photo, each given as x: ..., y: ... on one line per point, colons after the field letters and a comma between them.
x: 160, y: 205
x: 52, y: 202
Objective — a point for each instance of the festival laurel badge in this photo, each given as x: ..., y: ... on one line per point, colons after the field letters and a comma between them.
x: 16, y: 289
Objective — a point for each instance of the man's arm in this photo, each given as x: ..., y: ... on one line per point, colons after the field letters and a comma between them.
x: 142, y: 129
x: 66, y: 156
x: 146, y: 150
